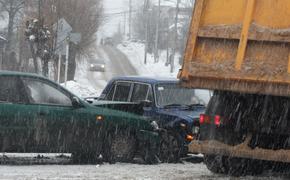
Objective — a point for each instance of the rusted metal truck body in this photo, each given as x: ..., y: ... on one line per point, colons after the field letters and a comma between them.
x: 240, y: 49
x: 239, y: 45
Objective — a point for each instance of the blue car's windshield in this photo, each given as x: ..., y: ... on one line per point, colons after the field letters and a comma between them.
x: 172, y: 94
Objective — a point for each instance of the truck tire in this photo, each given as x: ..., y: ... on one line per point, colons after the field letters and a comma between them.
x: 238, y: 167
x: 216, y: 163
x: 120, y: 147
x: 243, y: 167
x: 170, y: 148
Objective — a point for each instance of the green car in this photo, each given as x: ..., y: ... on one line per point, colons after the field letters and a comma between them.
x: 38, y: 115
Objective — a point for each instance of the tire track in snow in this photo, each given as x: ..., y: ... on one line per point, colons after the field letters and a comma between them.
x: 120, y: 63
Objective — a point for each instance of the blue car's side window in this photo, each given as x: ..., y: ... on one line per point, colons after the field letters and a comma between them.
x: 122, y: 91
x: 110, y: 95
x: 141, y: 92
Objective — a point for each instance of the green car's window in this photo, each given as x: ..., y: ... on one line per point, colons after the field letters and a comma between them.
x: 11, y: 90
x: 141, y: 92
x: 42, y: 93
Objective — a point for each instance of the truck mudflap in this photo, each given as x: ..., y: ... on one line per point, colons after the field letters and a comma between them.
x: 213, y: 147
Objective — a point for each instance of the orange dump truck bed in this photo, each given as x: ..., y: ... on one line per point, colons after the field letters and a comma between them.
x: 239, y: 45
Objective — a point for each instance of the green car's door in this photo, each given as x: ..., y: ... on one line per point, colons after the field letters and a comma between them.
x: 15, y: 116
x: 59, y: 127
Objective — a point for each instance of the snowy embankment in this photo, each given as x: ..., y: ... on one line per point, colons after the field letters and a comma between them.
x: 82, y: 86
x: 135, y: 53
x: 81, y: 90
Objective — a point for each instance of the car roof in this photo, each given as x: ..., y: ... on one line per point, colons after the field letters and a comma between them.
x: 14, y: 73
x: 32, y: 75
x: 149, y: 80
x: 97, y: 60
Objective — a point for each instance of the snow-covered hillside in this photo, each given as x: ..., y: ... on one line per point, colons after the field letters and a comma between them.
x: 135, y: 53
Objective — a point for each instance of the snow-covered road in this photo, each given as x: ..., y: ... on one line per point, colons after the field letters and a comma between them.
x: 119, y: 171
x: 88, y: 83
x: 54, y: 168
x: 119, y: 64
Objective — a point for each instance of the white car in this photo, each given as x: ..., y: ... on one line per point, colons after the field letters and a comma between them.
x: 97, y: 65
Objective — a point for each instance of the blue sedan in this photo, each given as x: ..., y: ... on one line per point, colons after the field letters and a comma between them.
x: 173, y: 107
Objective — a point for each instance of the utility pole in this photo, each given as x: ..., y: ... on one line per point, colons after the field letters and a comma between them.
x: 39, y: 10
x: 39, y: 25
x: 66, y: 59
x: 146, y: 6
x: 146, y: 39
x: 40, y: 17
x: 167, y: 45
x: 125, y: 21
x: 175, y: 38
x: 58, y: 67
x: 56, y: 9
x: 56, y: 12
x: 130, y: 19
x: 156, y: 55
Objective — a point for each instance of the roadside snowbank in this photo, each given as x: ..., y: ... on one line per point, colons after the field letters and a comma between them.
x: 135, y: 53
x: 81, y: 90
x: 82, y: 85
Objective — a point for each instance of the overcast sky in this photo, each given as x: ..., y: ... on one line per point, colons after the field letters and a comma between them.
x: 113, y: 16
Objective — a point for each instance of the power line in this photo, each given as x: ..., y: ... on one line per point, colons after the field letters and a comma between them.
x: 119, y: 13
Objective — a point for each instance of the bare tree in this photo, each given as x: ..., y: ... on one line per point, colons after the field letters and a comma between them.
x: 12, y: 7
x: 84, y: 16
